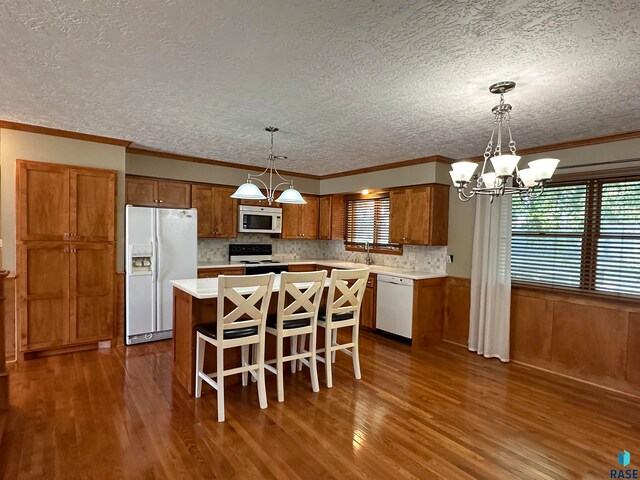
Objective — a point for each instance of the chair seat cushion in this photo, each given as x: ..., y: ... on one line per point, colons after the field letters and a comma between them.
x: 272, y: 322
x: 322, y: 315
x: 210, y: 330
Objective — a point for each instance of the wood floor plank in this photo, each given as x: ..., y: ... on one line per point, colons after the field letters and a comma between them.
x: 437, y: 413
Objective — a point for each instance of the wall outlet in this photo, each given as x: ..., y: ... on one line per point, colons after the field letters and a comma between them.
x: 449, y: 258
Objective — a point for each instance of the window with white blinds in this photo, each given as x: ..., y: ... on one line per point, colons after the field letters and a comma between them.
x: 367, y: 220
x: 583, y: 235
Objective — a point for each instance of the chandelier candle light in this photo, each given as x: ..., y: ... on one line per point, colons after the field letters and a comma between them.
x: 250, y: 191
x: 506, y: 179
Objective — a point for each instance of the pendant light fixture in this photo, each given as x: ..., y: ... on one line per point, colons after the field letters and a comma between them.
x: 250, y: 191
x: 506, y: 179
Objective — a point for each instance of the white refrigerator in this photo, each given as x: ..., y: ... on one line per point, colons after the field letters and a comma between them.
x: 161, y: 246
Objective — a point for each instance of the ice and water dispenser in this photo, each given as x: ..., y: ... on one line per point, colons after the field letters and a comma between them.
x: 140, y: 259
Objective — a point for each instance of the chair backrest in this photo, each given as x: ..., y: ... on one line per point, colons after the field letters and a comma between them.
x: 300, y: 295
x: 346, y: 292
x: 248, y: 296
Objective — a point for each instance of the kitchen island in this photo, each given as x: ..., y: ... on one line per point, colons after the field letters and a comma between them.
x: 195, y: 301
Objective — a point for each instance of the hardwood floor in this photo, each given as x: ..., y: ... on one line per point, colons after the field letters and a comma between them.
x: 439, y: 413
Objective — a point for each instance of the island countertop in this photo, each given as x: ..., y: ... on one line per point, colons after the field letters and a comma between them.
x: 206, y: 288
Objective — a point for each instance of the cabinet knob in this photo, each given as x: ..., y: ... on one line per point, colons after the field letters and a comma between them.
x: 160, y: 201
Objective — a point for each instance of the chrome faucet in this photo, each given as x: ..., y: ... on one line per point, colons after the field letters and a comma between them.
x: 367, y: 247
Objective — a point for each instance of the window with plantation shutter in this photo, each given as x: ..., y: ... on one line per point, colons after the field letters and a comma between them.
x: 583, y: 235
x: 367, y: 220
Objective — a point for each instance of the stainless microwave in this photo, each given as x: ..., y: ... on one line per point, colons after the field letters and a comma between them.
x: 259, y: 219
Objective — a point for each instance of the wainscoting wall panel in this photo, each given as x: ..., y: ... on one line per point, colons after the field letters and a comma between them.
x: 594, y: 339
x: 10, y: 318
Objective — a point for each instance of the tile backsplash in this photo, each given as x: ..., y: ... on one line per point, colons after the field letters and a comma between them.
x: 428, y: 259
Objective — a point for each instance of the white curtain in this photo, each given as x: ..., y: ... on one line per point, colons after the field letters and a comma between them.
x: 491, y: 279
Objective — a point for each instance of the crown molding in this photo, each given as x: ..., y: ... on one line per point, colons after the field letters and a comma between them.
x: 209, y: 161
x: 585, y: 142
x: 25, y: 127
x: 390, y: 166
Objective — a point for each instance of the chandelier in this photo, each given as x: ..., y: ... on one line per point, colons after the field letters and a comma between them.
x: 506, y: 178
x: 250, y: 191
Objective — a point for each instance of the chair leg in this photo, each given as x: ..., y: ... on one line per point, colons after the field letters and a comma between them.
x: 254, y: 356
x: 327, y: 356
x: 200, y: 348
x: 280, y: 368
x: 220, y: 382
x: 301, y: 345
x: 294, y: 350
x: 334, y: 339
x: 313, y: 364
x: 244, y: 352
x: 355, y: 353
x: 262, y: 389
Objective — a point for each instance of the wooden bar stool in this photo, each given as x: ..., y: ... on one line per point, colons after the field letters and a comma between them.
x: 298, y: 305
x: 343, y: 310
x: 242, y: 326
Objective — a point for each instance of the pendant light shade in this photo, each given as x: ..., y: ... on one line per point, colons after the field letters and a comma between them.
x: 248, y: 191
x: 291, y: 195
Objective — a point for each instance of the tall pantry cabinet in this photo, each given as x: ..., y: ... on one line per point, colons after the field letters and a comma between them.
x: 65, y: 234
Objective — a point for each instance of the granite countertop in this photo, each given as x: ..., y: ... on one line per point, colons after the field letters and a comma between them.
x: 378, y: 269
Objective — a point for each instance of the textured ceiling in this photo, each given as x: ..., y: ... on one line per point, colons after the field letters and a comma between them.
x: 350, y: 83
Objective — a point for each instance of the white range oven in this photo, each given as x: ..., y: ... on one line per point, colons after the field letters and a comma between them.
x: 259, y: 219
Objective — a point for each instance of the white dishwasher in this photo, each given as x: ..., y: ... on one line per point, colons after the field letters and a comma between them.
x: 394, y: 311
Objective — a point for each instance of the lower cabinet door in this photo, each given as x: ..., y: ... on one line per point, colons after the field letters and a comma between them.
x: 43, y: 289
x: 92, y: 273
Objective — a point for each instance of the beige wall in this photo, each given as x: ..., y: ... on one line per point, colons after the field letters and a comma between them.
x: 201, y: 172
x: 462, y: 215
x: 16, y: 145
x: 397, y: 177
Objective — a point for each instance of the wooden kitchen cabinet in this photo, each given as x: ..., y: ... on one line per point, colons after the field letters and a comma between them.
x: 91, y: 292
x: 303, y: 268
x: 331, y: 217
x: 217, y: 211
x: 419, y: 215
x: 59, y: 202
x: 368, y: 309
x: 300, y: 221
x: 217, y: 271
x: 66, y: 224
x: 151, y: 192
x: 65, y: 293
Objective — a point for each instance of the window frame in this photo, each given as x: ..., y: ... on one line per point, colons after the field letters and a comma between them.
x: 350, y: 246
x: 590, y: 235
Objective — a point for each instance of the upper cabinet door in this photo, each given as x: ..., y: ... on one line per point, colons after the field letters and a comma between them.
x: 290, y: 221
x: 324, y: 225
x: 201, y: 199
x: 225, y: 213
x: 92, y: 205
x: 399, y: 215
x: 142, y: 192
x: 309, y: 218
x: 174, y: 194
x: 42, y: 201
